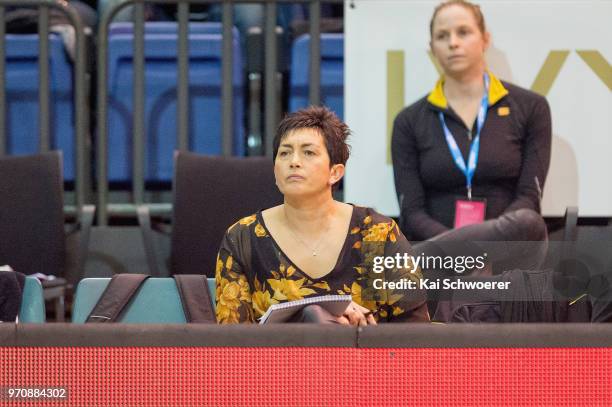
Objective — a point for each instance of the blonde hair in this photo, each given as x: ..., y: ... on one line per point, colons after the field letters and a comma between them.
x: 474, y: 8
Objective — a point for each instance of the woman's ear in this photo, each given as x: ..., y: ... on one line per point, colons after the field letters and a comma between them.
x: 487, y: 40
x: 336, y: 173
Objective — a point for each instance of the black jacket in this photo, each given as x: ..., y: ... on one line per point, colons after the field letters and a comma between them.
x: 515, y: 145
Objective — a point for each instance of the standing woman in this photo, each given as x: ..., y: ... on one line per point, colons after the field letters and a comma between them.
x: 470, y: 159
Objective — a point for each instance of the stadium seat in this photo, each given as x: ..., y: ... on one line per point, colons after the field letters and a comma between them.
x: 211, y: 193
x: 157, y: 301
x: 31, y: 214
x: 32, y: 221
x: 32, y: 304
x: 205, y: 126
x: 22, y: 98
x: 212, y: 289
x: 332, y: 73
x: 168, y: 27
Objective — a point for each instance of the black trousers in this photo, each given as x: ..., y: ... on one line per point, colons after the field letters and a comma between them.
x: 515, y: 240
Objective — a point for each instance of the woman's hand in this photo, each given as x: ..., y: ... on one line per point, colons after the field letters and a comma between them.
x: 356, y: 315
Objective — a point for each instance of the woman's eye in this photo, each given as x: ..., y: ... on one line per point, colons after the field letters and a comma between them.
x: 441, y: 36
x: 282, y: 153
x: 308, y: 152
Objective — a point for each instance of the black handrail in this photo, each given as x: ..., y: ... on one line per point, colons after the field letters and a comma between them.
x: 271, y: 92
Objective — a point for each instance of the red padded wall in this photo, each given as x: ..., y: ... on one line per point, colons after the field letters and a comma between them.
x: 312, y: 376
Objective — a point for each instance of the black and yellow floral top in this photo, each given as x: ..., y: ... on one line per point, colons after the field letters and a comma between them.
x: 253, y: 273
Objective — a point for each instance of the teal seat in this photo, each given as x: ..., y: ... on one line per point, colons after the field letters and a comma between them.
x: 157, y: 301
x: 32, y: 303
x: 212, y: 289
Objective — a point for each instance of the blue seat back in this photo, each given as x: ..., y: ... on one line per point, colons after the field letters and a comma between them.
x: 332, y: 73
x: 167, y: 27
x: 156, y: 302
x: 22, y: 98
x: 32, y: 303
x: 205, y: 127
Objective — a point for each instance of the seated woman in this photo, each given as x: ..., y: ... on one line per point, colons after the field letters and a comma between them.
x: 313, y: 245
x: 472, y: 137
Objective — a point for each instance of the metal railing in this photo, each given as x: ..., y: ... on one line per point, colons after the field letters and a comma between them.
x: 81, y: 111
x: 271, y: 94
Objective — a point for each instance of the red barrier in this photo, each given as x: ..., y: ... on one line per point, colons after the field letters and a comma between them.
x: 295, y: 376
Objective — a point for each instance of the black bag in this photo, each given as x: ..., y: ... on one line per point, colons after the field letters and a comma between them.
x: 531, y: 297
x: 11, y: 294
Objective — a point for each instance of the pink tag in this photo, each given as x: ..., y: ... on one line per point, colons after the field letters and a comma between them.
x: 469, y: 212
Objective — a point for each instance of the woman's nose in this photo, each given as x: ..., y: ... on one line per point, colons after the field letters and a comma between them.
x: 295, y: 160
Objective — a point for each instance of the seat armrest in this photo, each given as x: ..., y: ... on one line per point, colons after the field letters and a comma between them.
x: 85, y: 222
x: 144, y: 221
x: 570, y: 230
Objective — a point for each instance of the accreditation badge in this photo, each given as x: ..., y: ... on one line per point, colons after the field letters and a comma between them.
x: 469, y: 211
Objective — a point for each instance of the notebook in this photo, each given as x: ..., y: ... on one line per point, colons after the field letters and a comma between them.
x: 334, y: 304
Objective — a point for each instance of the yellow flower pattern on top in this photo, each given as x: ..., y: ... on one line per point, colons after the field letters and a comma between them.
x: 285, y: 289
x: 262, y: 300
x: 252, y: 273
x: 228, y: 295
x: 248, y: 220
x: 377, y: 233
x: 260, y: 231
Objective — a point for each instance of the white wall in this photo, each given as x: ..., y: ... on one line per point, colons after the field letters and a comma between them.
x: 523, y: 34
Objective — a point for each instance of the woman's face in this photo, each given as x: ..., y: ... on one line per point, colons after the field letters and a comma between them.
x: 302, y: 165
x: 457, y: 42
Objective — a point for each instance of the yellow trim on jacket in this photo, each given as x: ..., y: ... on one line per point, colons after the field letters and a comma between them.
x: 496, y: 92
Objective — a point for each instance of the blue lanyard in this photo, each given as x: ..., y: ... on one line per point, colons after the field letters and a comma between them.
x: 475, y: 147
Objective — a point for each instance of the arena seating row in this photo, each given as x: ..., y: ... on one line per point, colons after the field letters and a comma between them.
x: 332, y: 73
x: 229, y: 187
x: 210, y: 193
x: 22, y: 98
x: 157, y: 301
x: 205, y: 49
x: 205, y: 56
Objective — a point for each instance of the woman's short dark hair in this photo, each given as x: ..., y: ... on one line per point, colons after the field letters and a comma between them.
x: 333, y: 130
